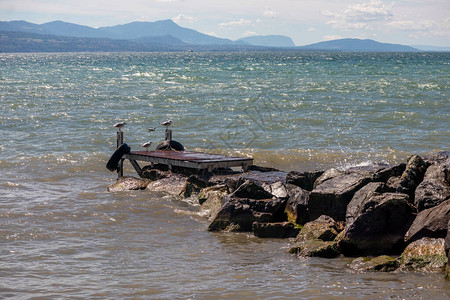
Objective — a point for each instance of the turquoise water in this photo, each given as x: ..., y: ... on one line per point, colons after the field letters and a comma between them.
x: 62, y: 234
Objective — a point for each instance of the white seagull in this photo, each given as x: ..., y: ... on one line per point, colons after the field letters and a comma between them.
x: 167, y: 123
x: 120, y: 125
x: 146, y: 145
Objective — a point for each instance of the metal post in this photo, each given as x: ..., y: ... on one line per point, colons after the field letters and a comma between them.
x: 168, y: 135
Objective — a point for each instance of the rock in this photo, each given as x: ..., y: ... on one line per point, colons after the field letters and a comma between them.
x: 172, y: 185
x: 331, y: 196
x: 426, y: 254
x: 154, y: 174
x: 251, y: 189
x: 315, y: 248
x: 211, y: 199
x: 277, y: 189
x: 239, y: 214
x: 297, y: 205
x: 435, y: 187
x: 381, y: 263
x: 380, y: 227
x: 193, y: 185
x: 323, y: 228
x: 432, y: 222
x: 447, y: 252
x: 413, y: 175
x: 361, y: 199
x: 394, y: 183
x: 128, y: 183
x: 262, y: 169
x: 385, y: 173
x: 275, y: 230
x: 305, y: 180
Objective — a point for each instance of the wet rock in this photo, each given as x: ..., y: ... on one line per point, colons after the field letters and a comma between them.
x: 383, y: 263
x: 128, y: 183
x: 297, y: 205
x: 432, y: 222
x: 380, y: 227
x: 172, y: 185
x: 252, y: 189
x: 331, y: 196
x: 275, y: 230
x: 387, y: 172
x: 323, y: 228
x: 435, y: 187
x: 362, y: 198
x: 193, y: 185
x: 276, y: 189
x: 239, y: 214
x: 413, y: 175
x: 211, y: 199
x: 315, y: 248
x: 426, y: 254
x: 304, y: 180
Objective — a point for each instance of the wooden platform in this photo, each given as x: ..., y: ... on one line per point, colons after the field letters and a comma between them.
x: 187, y: 159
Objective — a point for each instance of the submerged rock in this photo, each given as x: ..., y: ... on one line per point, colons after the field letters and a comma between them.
x: 432, y: 222
x: 315, y: 248
x: 380, y: 226
x: 426, y: 254
x: 383, y: 263
x: 128, y: 183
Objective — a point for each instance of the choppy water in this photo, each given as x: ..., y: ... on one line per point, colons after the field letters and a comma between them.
x: 62, y: 235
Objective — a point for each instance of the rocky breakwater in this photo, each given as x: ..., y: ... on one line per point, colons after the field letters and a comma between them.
x: 368, y: 212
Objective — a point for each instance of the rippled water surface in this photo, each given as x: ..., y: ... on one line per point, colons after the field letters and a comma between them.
x: 62, y: 235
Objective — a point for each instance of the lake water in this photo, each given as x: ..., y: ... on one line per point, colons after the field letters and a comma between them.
x: 62, y: 235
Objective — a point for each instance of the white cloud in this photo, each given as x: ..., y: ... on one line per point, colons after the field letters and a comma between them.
x: 249, y: 33
x: 241, y: 22
x: 269, y: 13
x: 181, y: 18
x: 331, y: 37
x: 311, y: 29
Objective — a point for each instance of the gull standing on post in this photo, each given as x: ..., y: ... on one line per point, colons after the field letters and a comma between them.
x: 167, y: 123
x: 120, y: 125
x: 146, y: 145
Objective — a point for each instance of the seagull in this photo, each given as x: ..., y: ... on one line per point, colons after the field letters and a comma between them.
x: 151, y: 129
x: 167, y: 123
x: 146, y: 145
x: 119, y: 125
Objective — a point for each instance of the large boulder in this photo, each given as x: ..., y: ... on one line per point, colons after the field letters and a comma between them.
x: 193, y: 185
x: 432, y: 222
x: 426, y: 254
x: 304, y: 180
x: 333, y: 191
x: 435, y: 187
x: 297, y: 205
x: 447, y: 252
x: 128, y: 183
x: 173, y: 185
x: 413, y: 175
x: 252, y: 189
x: 380, y: 226
x: 210, y: 200
x: 323, y: 228
x: 362, y: 198
x: 239, y: 214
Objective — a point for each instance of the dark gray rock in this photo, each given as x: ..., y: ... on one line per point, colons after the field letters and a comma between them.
x: 239, y: 214
x: 251, y: 189
x: 386, y: 172
x: 380, y: 227
x: 362, y: 198
x: 275, y: 230
x: 323, y: 228
x: 435, y: 187
x: 413, y: 175
x: 297, y: 205
x: 277, y: 189
x: 305, y: 180
x: 193, y: 185
x: 432, y: 222
x: 331, y: 196
x: 447, y: 252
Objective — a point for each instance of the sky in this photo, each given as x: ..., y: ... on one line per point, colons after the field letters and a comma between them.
x: 408, y: 22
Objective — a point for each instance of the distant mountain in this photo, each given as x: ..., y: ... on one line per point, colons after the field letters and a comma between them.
x: 268, y: 41
x: 431, y: 48
x: 359, y: 46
